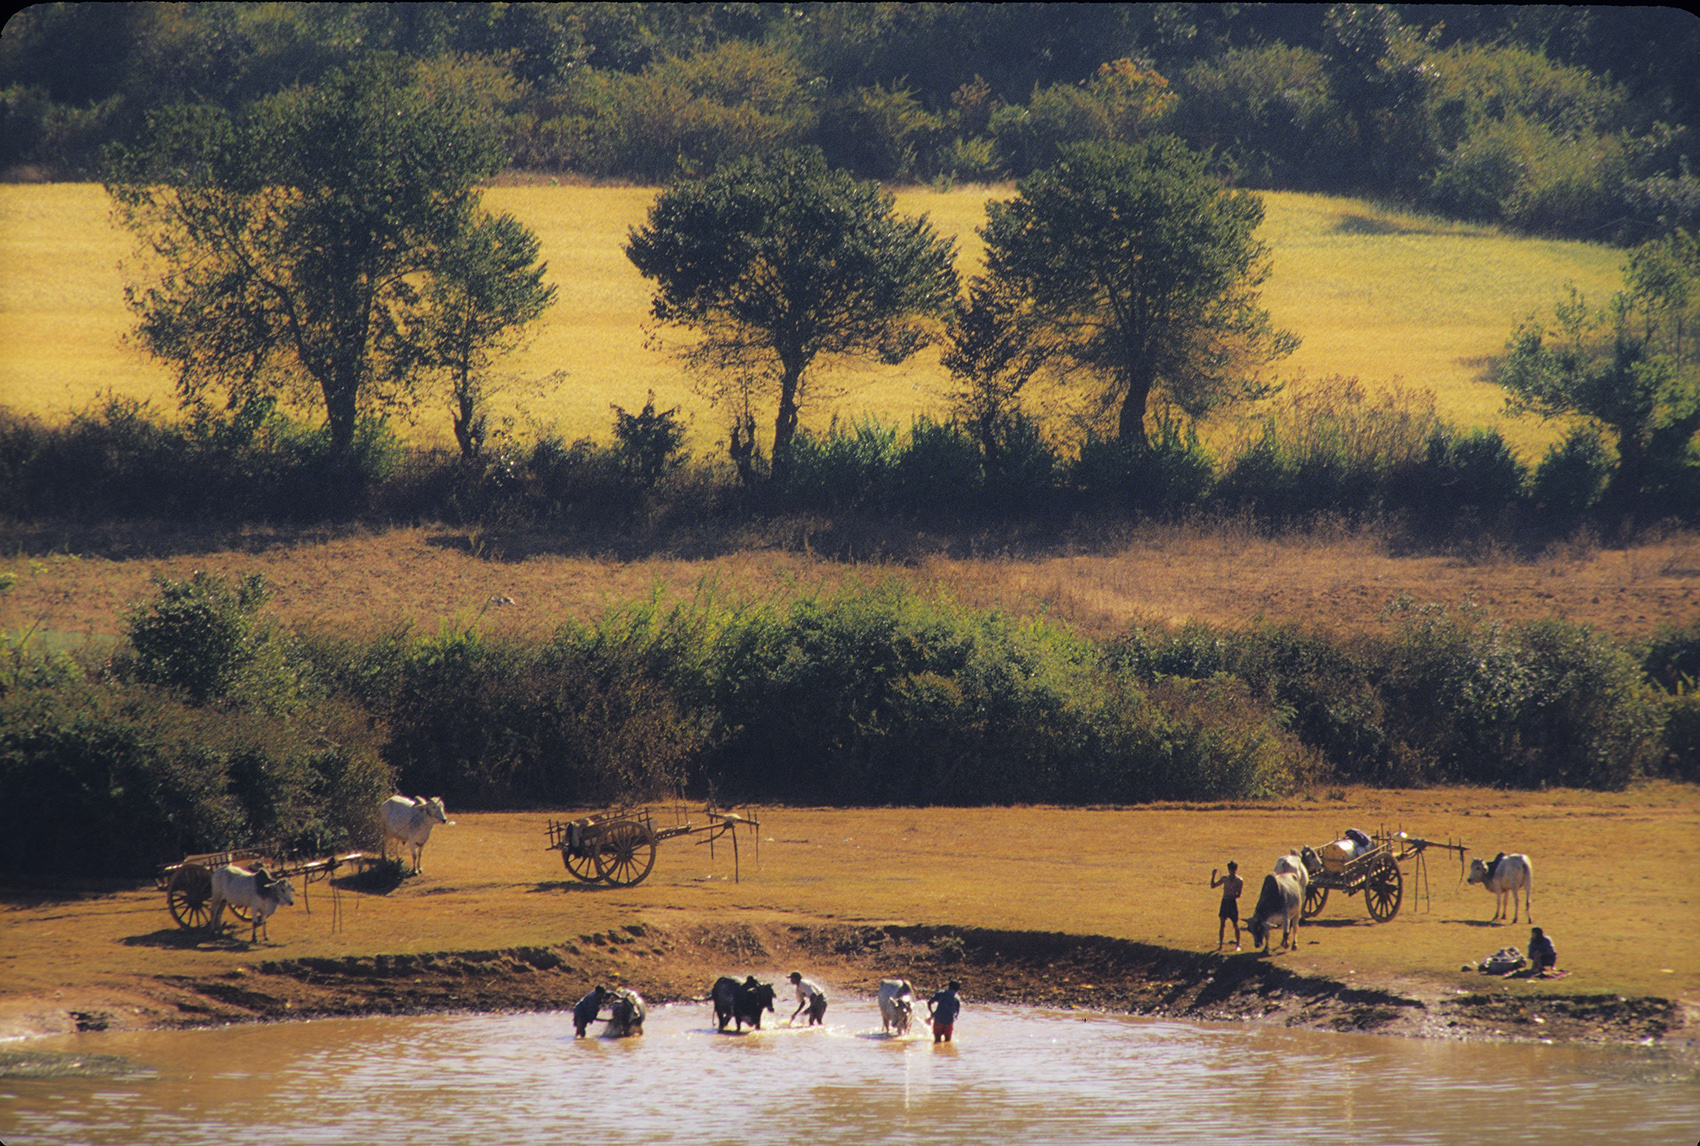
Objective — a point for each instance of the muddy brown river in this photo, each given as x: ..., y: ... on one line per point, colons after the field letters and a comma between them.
x: 1012, y: 1076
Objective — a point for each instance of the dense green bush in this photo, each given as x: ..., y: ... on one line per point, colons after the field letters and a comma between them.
x: 1544, y: 703
x: 488, y: 724
x: 206, y: 640
x: 111, y: 780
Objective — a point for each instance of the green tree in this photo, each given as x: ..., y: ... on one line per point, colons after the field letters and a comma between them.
x: 487, y: 288
x: 1632, y: 369
x: 291, y: 248
x: 992, y: 352
x: 778, y: 262
x: 1145, y: 273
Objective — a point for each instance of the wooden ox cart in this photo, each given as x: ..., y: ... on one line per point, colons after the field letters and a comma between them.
x: 188, y: 884
x: 617, y: 846
x: 1373, y: 870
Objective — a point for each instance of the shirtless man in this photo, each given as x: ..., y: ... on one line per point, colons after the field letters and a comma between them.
x: 1231, y: 886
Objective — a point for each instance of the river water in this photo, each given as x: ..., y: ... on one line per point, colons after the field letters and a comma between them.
x: 1012, y: 1076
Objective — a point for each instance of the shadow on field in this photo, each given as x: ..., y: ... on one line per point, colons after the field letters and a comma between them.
x: 130, y: 540
x: 171, y: 938
x: 567, y: 885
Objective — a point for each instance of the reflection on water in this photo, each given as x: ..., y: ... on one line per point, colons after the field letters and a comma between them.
x: 1012, y: 1076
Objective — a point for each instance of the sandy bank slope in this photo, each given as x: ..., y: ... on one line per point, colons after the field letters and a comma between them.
x: 1096, y: 907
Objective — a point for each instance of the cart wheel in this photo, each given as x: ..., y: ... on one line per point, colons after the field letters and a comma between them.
x: 1316, y: 898
x: 582, y: 865
x: 1383, y: 893
x: 626, y: 853
x: 189, y: 896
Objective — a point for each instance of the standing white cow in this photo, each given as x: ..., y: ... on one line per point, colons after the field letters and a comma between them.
x: 1281, y: 900
x: 897, y: 1005
x: 1506, y: 875
x: 410, y: 820
x: 260, y: 897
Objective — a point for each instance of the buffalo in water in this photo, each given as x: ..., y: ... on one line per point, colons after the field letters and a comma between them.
x: 740, y: 1003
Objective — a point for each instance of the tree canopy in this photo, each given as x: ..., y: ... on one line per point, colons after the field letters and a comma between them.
x: 299, y: 250
x: 1632, y: 369
x: 776, y: 263
x: 1144, y: 272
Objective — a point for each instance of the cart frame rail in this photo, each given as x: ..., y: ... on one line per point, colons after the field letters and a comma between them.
x: 617, y: 845
x: 1375, y: 872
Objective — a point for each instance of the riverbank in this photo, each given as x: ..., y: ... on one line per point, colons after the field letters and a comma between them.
x: 1106, y: 909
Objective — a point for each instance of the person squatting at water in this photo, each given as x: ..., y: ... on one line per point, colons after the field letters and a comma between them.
x: 942, y: 1009
x: 1231, y: 886
x: 809, y: 995
x: 587, y: 1009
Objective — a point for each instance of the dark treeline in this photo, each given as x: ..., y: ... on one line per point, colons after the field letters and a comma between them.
x: 1569, y: 120
x: 1336, y: 450
x: 212, y: 726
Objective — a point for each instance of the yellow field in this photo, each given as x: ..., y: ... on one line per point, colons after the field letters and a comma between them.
x: 1378, y: 295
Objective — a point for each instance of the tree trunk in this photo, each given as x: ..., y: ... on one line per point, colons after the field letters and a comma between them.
x: 785, y: 425
x: 1131, y: 429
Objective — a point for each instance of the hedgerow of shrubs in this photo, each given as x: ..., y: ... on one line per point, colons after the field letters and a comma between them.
x: 871, y: 696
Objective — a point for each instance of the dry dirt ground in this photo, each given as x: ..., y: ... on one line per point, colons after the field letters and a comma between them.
x: 1104, y: 908
x: 77, y: 582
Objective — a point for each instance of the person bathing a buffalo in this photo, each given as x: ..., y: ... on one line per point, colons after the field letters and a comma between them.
x: 588, y: 1009
x: 942, y: 1009
x: 809, y: 997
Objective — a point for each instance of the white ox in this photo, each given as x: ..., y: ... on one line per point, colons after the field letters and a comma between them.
x: 241, y: 888
x: 409, y: 821
x: 1281, y: 900
x: 1294, y: 864
x: 1506, y: 875
x: 897, y: 1005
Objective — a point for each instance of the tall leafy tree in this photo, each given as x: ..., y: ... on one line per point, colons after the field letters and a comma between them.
x: 1144, y: 272
x: 486, y: 289
x: 1632, y: 369
x: 292, y: 248
x: 780, y: 262
x: 992, y: 351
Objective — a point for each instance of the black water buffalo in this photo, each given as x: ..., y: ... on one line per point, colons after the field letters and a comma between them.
x: 740, y: 1003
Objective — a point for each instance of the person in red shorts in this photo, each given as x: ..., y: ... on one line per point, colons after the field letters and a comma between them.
x: 942, y: 1009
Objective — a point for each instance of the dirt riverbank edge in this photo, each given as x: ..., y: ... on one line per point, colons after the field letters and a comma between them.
x: 678, y: 963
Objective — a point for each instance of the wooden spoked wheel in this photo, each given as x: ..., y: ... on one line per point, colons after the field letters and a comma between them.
x: 1316, y: 898
x: 1383, y: 892
x: 625, y: 853
x: 189, y: 896
x: 582, y: 865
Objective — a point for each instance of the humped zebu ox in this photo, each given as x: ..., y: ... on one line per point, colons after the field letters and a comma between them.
x: 626, y: 1012
x: 740, y: 1003
x: 1281, y: 900
x: 1506, y: 875
x: 409, y: 821
x: 897, y: 1005
x: 1293, y: 863
x: 255, y: 892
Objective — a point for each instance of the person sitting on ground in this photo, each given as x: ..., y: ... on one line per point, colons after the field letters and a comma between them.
x: 587, y: 1009
x: 810, y: 995
x: 1543, y: 956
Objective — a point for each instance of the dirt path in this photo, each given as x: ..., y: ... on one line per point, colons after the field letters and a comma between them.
x: 1104, y: 908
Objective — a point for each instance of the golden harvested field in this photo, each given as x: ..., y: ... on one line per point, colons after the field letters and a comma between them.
x: 1377, y: 295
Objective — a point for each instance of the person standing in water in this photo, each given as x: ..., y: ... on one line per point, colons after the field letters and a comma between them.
x: 942, y: 1009
x: 809, y: 995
